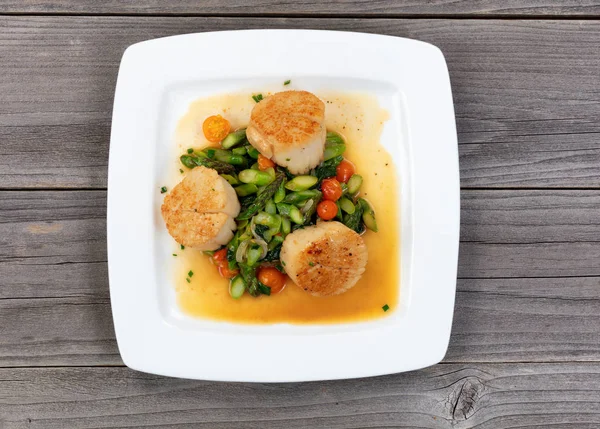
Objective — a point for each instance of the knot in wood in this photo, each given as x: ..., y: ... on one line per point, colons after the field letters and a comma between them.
x: 463, y: 399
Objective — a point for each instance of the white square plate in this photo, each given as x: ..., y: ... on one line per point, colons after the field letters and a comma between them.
x: 158, y: 79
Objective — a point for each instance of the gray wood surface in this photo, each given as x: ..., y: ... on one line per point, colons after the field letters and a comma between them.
x: 526, y: 93
x: 361, y: 8
x: 525, y: 344
x: 549, y: 396
x: 55, y: 309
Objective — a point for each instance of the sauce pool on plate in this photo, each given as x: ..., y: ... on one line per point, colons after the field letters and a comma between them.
x: 359, y: 119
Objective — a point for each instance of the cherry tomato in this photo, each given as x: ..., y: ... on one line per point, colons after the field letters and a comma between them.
x: 332, y: 190
x: 272, y: 277
x: 226, y: 272
x: 220, y: 256
x: 264, y: 162
x: 215, y: 128
x: 327, y: 209
x: 344, y: 171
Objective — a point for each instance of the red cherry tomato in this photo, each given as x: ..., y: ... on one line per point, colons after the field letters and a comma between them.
x: 332, y: 190
x: 272, y: 277
x: 220, y: 256
x: 264, y: 162
x: 327, y: 209
x: 344, y: 171
x: 226, y: 272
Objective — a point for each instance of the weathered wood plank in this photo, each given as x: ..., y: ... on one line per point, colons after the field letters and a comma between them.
x: 444, y: 396
x: 55, y: 310
x: 525, y: 93
x: 358, y: 8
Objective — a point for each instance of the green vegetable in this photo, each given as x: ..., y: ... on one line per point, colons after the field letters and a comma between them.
x: 354, y: 183
x: 228, y: 157
x: 241, y: 151
x: 335, y: 138
x: 328, y: 168
x: 354, y: 221
x: 256, y: 177
x: 190, y: 150
x: 368, y: 216
x: 210, y: 152
x: 246, y: 189
x: 286, y: 226
x: 338, y: 215
x: 232, y: 180
x: 265, y: 290
x: 270, y: 220
x: 237, y: 287
x: 270, y: 207
x: 284, y: 209
x: 301, y: 183
x: 191, y: 161
x: 333, y: 150
x: 232, y: 246
x: 298, y: 197
x: 287, y: 82
x: 257, y: 97
x: 261, y: 199
x: 261, y: 230
x: 163, y: 189
x: 233, y: 139
x: 253, y: 254
x: 242, y: 224
x: 310, y: 208
x: 385, y: 307
x: 296, y: 215
x: 346, y: 205
x: 252, y: 152
x: 249, y: 275
x: 280, y: 194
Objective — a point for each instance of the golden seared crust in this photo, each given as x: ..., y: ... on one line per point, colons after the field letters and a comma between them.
x: 201, y: 190
x: 199, y: 211
x: 194, y: 229
x: 326, y: 259
x: 289, y: 127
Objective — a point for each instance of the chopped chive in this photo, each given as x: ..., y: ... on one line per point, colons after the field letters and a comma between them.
x: 187, y: 279
x: 311, y: 263
x: 181, y: 171
x: 182, y: 247
x: 288, y: 159
x: 287, y: 82
x: 190, y: 150
x: 210, y: 153
x: 163, y: 189
x: 191, y: 273
x: 174, y: 254
x: 385, y: 307
x: 283, y: 262
x: 257, y: 97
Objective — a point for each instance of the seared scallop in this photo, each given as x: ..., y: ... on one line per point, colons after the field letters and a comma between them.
x: 289, y: 128
x: 325, y: 259
x: 200, y: 211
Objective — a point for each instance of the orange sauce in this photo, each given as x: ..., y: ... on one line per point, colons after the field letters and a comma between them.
x: 359, y: 118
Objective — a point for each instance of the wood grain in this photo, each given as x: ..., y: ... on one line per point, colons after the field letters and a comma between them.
x: 55, y: 309
x: 526, y: 93
x: 504, y: 396
x: 488, y: 8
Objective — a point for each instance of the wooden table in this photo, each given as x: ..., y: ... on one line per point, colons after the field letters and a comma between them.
x: 525, y: 346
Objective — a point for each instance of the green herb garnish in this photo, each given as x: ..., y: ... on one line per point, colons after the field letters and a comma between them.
x: 182, y: 247
x: 287, y: 82
x: 163, y: 189
x: 187, y: 279
x: 311, y: 263
x: 257, y: 98
x: 190, y: 150
x: 385, y: 307
x: 174, y: 254
x: 210, y: 153
x: 191, y: 273
x: 181, y: 171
